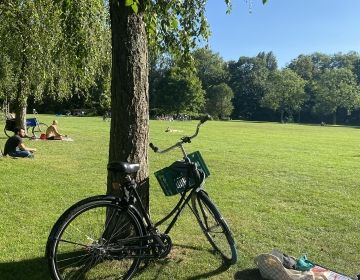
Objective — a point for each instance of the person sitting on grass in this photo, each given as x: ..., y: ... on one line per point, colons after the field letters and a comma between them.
x: 52, y: 132
x: 15, y: 147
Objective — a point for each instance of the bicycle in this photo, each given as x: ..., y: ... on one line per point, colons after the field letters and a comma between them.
x: 32, y: 124
x: 106, y: 237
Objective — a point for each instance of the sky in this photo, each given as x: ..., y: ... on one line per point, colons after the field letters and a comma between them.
x: 288, y: 28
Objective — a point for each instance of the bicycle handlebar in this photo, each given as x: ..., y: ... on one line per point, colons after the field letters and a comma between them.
x: 205, y: 118
x: 184, y: 139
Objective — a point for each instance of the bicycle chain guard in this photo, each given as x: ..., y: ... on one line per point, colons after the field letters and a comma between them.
x: 162, y: 250
x: 154, y: 246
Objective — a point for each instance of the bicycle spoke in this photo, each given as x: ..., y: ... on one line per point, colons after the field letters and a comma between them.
x: 73, y: 264
x: 95, y: 241
x: 118, y: 231
x: 87, y: 236
x: 71, y: 242
x: 81, y: 271
x: 108, y: 222
x: 214, y: 227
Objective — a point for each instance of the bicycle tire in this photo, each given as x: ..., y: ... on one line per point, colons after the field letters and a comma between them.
x: 78, y: 249
x: 39, y: 128
x: 214, y: 226
x: 7, y: 132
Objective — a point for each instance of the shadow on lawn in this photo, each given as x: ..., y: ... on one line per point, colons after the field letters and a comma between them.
x: 205, y: 273
x: 210, y: 273
x: 34, y: 269
x: 248, y: 274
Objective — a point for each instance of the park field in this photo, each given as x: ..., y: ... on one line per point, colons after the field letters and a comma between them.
x: 286, y: 186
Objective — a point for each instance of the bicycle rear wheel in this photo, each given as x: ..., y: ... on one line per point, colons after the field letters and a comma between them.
x: 91, y: 240
x: 39, y: 128
x: 10, y: 125
x: 8, y: 133
x: 214, y: 227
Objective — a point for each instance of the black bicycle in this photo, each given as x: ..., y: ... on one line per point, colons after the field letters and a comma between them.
x: 106, y: 237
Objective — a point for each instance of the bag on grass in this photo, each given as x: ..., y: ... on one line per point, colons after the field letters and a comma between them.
x: 271, y: 268
x: 279, y: 266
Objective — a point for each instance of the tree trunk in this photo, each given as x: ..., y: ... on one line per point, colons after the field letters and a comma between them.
x: 21, y: 97
x: 20, y: 114
x: 334, y: 117
x: 129, y: 94
x: 282, y: 116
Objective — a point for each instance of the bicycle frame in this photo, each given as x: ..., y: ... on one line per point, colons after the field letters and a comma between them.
x: 152, y: 237
x: 131, y: 198
x: 185, y: 196
x: 175, y: 212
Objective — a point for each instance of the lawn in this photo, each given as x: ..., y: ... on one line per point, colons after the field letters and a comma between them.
x: 291, y: 187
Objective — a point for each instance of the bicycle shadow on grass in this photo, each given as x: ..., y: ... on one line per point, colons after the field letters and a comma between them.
x: 205, y: 274
x: 222, y: 268
x: 248, y: 274
x: 33, y: 269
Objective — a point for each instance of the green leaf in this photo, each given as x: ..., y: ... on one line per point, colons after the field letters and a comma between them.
x: 135, y: 7
x: 264, y: 1
x: 129, y: 3
x: 174, y: 23
x: 134, y: 4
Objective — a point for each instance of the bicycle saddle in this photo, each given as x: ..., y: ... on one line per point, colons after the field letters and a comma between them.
x: 123, y: 167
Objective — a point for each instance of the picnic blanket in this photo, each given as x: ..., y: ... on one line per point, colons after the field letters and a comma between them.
x: 68, y: 139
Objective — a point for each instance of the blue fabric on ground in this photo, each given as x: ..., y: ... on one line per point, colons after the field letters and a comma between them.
x: 303, y: 264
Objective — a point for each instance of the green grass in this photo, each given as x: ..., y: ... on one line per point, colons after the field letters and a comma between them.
x: 291, y: 187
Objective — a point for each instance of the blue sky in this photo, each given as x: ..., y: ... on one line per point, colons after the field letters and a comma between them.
x: 286, y: 27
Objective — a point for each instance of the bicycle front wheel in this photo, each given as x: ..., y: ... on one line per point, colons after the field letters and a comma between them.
x: 39, y: 129
x: 214, y: 227
x: 91, y: 241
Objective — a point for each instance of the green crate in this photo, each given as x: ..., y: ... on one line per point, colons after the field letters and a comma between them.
x: 175, y: 179
x: 201, y: 165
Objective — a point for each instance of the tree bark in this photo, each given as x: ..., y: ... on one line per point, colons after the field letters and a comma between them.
x: 129, y: 95
x: 20, y: 114
x: 21, y: 97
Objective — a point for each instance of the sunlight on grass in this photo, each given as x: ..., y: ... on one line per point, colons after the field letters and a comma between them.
x: 290, y: 187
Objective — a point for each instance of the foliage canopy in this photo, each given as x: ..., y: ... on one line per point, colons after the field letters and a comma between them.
x: 285, y: 92
x: 52, y: 48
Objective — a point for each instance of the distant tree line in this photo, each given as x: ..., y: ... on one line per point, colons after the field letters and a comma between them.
x: 51, y: 62
x: 311, y: 88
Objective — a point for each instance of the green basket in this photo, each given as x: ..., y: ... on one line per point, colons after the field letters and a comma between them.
x: 175, y: 179
x: 201, y: 165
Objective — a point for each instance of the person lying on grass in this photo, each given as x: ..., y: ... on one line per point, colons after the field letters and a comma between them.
x: 52, y: 132
x: 15, y: 147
